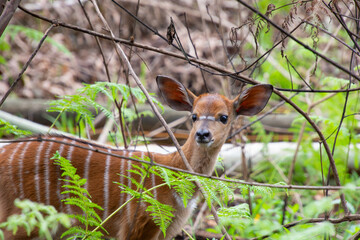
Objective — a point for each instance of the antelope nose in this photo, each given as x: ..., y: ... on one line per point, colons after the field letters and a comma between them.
x: 203, y: 136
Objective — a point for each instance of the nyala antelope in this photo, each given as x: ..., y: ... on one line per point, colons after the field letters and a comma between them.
x: 27, y: 171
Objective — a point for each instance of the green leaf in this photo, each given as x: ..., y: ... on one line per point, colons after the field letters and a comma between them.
x: 33, y: 34
x: 315, y: 208
x: 238, y: 211
x: 324, y: 228
x: 84, y: 101
x: 7, y: 128
x: 79, y: 197
x: 35, y: 216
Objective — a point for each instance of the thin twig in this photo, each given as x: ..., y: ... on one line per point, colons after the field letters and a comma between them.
x: 132, y: 38
x: 259, y: 118
x: 221, y: 39
x: 119, y: 107
x: 13, y: 85
x: 100, y: 49
x: 144, y: 24
x: 347, y: 218
x: 342, y: 22
x: 97, y: 43
x: 334, y: 37
x: 196, y: 54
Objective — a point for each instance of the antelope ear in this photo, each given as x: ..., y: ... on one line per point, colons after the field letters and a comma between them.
x: 175, y: 94
x: 253, y: 100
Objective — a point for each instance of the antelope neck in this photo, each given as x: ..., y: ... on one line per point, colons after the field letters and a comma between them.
x: 202, y: 159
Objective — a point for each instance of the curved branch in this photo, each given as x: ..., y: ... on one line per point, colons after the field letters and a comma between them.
x: 13, y: 85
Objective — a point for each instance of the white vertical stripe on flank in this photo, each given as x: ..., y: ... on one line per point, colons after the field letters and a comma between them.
x: 18, y: 145
x: 47, y: 172
x: 106, y: 184
x: 21, y: 166
x: 87, y: 166
x: 68, y: 157
x: 70, y: 151
x: 2, y: 150
x: 142, y: 203
x: 121, y: 180
x: 153, y: 185
x: 129, y: 185
x: 153, y: 182
x: 58, y: 186
x: 37, y: 167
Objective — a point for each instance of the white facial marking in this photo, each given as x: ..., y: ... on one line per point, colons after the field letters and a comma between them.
x: 210, y: 118
x: 205, y: 144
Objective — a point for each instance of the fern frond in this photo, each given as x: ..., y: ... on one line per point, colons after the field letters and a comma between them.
x: 79, y: 197
x: 34, y: 34
x: 227, y: 191
x: 209, y: 191
x: 263, y: 191
x: 78, y: 233
x: 35, y: 216
x: 161, y: 213
x: 238, y: 211
x: 180, y: 182
x: 7, y: 128
x: 85, y: 100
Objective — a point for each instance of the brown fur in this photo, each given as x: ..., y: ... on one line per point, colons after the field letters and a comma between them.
x: 18, y: 177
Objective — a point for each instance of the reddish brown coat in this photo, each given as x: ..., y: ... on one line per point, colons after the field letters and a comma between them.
x: 27, y: 172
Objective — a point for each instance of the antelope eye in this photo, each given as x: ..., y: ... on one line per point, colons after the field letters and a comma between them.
x: 224, y: 119
x: 194, y: 117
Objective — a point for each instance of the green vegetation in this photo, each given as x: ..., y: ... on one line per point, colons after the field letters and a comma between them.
x: 78, y: 197
x: 35, y: 216
x: 245, y: 211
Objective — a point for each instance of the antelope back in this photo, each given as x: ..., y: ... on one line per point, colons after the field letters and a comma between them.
x: 28, y: 172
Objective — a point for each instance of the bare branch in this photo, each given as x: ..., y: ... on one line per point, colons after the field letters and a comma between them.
x: 348, y: 218
x: 12, y: 87
x: 7, y: 11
